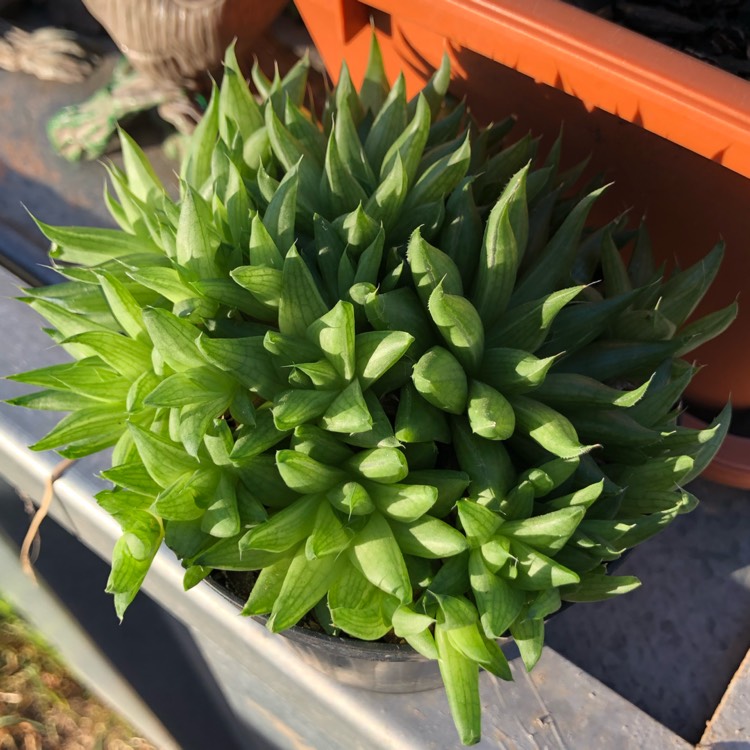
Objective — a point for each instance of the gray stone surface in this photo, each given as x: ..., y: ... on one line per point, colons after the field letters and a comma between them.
x: 729, y: 729
x: 672, y: 646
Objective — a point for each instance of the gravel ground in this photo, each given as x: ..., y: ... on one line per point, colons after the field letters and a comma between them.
x: 42, y: 707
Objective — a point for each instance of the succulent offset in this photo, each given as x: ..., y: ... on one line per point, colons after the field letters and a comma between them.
x: 381, y: 359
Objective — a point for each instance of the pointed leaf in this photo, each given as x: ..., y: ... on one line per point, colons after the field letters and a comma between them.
x: 376, y: 553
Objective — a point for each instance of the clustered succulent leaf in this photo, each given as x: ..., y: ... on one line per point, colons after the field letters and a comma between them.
x: 380, y: 359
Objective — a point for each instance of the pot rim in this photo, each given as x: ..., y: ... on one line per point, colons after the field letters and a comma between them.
x: 369, y: 650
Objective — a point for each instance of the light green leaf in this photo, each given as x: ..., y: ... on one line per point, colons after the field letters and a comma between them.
x: 402, y: 502
x: 375, y: 86
x: 246, y: 360
x: 191, y: 387
x: 513, y: 370
x: 430, y: 267
x: 125, y: 308
x: 502, y: 248
x: 461, y: 327
x: 479, y: 522
x: 168, y: 282
x: 236, y: 102
x: 84, y: 431
x: 597, y: 586
x: 408, y: 622
x: 196, y: 241
x: 90, y: 246
x: 196, y: 167
x: 385, y: 203
x: 67, y: 323
x: 397, y: 310
x: 334, y: 334
x: 224, y: 292
x: 89, y: 378
x: 358, y: 607
x: 262, y: 250
x: 284, y: 529
x: 439, y: 377
x: 570, y: 389
x: 461, y: 678
x: 410, y: 143
x: 301, y: 303
x: 535, y: 571
x: 305, y: 584
x: 555, y: 261
x: 423, y: 643
x: 498, y: 602
x: 142, y: 179
x: 348, y: 413
x: 267, y: 587
x: 263, y: 282
x: 52, y: 400
x: 225, y: 554
x: 377, y: 555
x: 351, y: 498
x: 304, y: 474
x: 279, y: 217
x: 442, y: 176
x: 175, y: 339
x: 320, y: 445
x: 548, y: 427
x: 344, y: 191
x: 549, y: 532
x: 486, y: 462
x: 164, y: 460
x: 584, y: 497
x: 134, y: 477
x: 124, y: 355
x: 490, y: 414
x: 389, y: 123
x: 550, y: 474
x: 418, y: 421
x: 383, y: 465
x: 380, y: 435
x: 529, y: 636
x: 429, y: 537
x: 258, y: 438
x: 131, y: 560
x: 526, y: 326
x: 477, y: 647
x: 329, y: 536
x: 298, y: 406
x: 196, y: 419
x: 377, y: 351
x: 450, y: 486
x: 178, y: 501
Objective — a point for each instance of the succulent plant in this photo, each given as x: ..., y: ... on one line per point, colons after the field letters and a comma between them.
x: 380, y: 359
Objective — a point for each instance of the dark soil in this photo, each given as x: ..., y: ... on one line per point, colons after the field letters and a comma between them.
x: 715, y: 31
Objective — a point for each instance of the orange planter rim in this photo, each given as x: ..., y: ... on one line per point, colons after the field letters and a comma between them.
x: 667, y: 92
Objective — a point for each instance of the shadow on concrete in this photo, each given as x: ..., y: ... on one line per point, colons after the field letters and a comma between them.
x: 23, y: 248
x: 672, y: 646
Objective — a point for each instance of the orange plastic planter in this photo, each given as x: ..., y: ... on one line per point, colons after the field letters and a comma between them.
x: 672, y: 132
